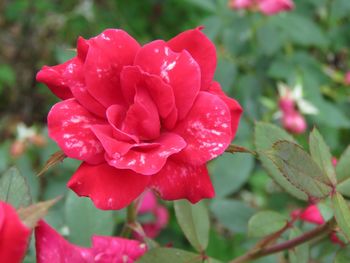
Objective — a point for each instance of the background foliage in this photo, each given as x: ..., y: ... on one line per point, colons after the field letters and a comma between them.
x: 309, y: 45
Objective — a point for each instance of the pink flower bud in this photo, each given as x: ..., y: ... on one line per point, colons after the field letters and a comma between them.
x: 271, y: 7
x: 17, y: 148
x: 312, y: 215
x: 38, y: 140
x: 286, y: 104
x: 334, y: 161
x: 294, y: 122
x: 347, y: 78
x: 240, y: 4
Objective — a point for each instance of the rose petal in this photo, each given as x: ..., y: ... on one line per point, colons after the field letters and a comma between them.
x: 179, y: 70
x: 115, y: 116
x: 51, y: 247
x: 108, y: 53
x: 142, y: 118
x: 14, y: 235
x: 206, y: 130
x: 161, y: 93
x: 108, y: 187
x: 114, y: 249
x: 149, y: 161
x: 53, y: 78
x: 87, y: 101
x: 179, y: 180
x: 69, y: 125
x: 112, y: 146
x: 201, y: 49
x: 235, y: 109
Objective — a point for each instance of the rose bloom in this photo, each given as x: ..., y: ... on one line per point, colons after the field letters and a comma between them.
x: 140, y: 117
x: 14, y: 235
x: 51, y: 247
x: 272, y: 7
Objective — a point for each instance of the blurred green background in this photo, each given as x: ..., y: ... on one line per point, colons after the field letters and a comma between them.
x: 309, y: 45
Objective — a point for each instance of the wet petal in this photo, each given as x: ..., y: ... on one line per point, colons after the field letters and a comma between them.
x: 235, y: 109
x: 182, y: 181
x: 14, y: 235
x: 51, y: 247
x: 161, y: 93
x: 108, y: 53
x: 179, y: 70
x: 142, y: 118
x: 69, y: 125
x: 115, y: 249
x: 109, y: 188
x: 201, y: 49
x: 54, y: 79
x: 206, y: 130
x: 149, y: 161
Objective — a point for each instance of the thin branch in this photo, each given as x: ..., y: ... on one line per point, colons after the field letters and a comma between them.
x: 307, y: 236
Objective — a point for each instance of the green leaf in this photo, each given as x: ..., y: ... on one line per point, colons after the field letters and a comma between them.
x: 208, y: 5
x: 343, y: 256
x: 265, y: 136
x: 230, y: 172
x: 298, y: 168
x: 299, y: 254
x: 14, y: 189
x: 232, y: 214
x: 194, y: 222
x: 321, y: 154
x: 84, y: 220
x: 265, y: 223
x: 342, y: 213
x: 161, y: 255
x: 30, y: 215
x: 343, y: 173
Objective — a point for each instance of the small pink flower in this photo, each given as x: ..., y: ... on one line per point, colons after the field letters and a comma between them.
x: 312, y: 215
x: 272, y: 7
x: 53, y: 248
x: 334, y: 161
x: 14, y: 235
x: 240, y: 4
x: 347, y: 78
x: 287, y: 103
x: 161, y: 215
x: 294, y: 122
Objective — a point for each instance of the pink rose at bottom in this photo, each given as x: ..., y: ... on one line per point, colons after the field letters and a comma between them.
x: 53, y: 248
x: 272, y: 7
x: 14, y: 235
x: 160, y: 213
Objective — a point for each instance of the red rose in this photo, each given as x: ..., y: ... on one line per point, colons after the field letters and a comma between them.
x: 14, y: 235
x: 51, y: 247
x: 140, y: 117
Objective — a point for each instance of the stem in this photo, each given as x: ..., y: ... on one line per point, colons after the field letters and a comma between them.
x: 307, y: 236
x: 239, y: 149
x: 131, y: 215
